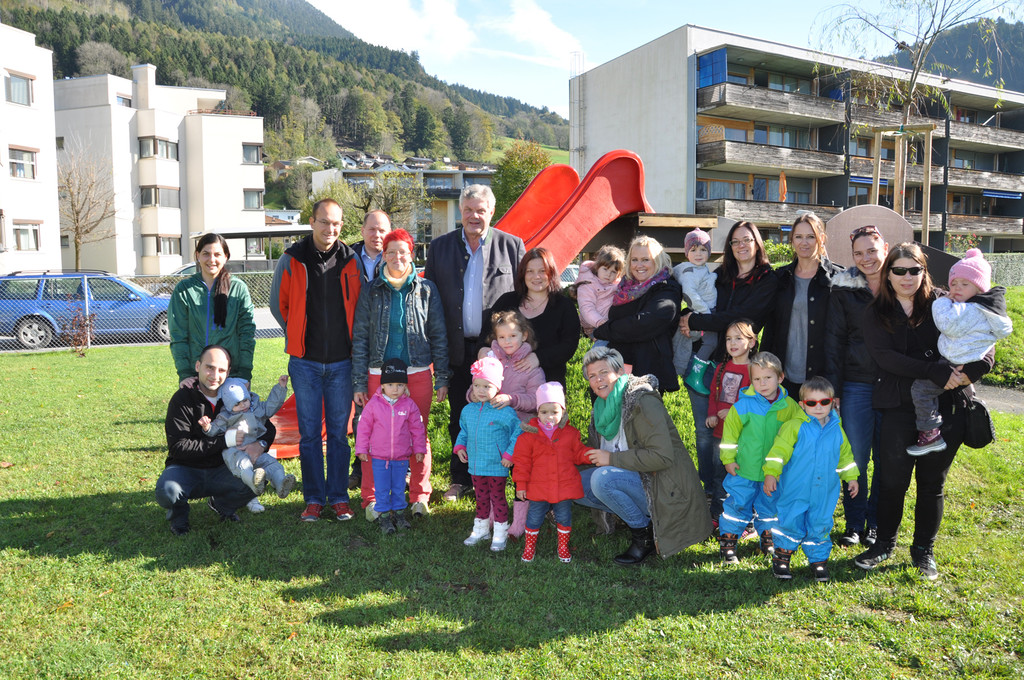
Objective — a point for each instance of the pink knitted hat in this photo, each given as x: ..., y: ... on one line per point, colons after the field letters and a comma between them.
x: 697, y: 237
x: 551, y: 393
x: 488, y: 369
x: 973, y: 268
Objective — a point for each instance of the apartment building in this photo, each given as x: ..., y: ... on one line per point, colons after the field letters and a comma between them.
x: 29, y: 219
x: 744, y: 128
x: 179, y: 164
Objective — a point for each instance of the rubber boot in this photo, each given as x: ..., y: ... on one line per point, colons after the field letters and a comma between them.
x: 481, y: 530
x: 519, y: 510
x: 530, y: 545
x: 727, y: 548
x: 563, y: 543
x: 640, y: 548
x: 766, y: 544
x: 695, y: 378
x: 500, y: 536
x: 780, y: 564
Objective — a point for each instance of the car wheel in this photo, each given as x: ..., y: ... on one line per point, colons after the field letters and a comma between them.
x: 161, y: 329
x: 34, y: 333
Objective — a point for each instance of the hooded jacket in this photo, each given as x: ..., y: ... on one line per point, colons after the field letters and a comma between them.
x: 521, y: 386
x: 487, y: 434
x: 594, y: 297
x: 750, y: 430
x: 968, y: 330
x: 546, y: 468
x: 190, y: 319
x: 847, y: 358
x: 390, y: 431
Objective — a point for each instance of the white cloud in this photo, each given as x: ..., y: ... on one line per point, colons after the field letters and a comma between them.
x: 533, y: 27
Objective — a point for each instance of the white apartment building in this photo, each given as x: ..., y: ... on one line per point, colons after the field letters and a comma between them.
x: 29, y: 219
x: 742, y: 128
x: 180, y: 166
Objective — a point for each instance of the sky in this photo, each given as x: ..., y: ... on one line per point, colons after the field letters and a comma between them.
x: 525, y: 48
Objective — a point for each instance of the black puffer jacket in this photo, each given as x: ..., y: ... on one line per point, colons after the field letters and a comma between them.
x: 751, y: 298
x: 776, y: 331
x: 847, y: 358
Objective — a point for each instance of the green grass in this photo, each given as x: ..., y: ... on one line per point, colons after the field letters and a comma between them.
x: 501, y: 143
x: 93, y: 585
x: 1009, y: 368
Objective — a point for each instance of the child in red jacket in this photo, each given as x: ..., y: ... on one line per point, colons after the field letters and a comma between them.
x: 544, y: 468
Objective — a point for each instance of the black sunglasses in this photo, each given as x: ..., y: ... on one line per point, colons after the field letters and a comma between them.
x: 861, y: 231
x: 903, y: 271
x: 814, y: 402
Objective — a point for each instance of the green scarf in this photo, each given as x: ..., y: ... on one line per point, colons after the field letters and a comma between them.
x: 608, y: 411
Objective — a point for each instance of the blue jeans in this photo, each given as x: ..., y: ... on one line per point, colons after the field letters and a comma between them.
x: 538, y: 509
x: 863, y: 427
x: 709, y: 463
x: 617, y: 491
x: 178, y: 484
x: 389, y: 484
x: 323, y: 394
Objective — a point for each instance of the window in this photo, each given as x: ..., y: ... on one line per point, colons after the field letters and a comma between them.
x: 777, y: 135
x: 966, y: 115
x: 737, y: 77
x: 710, y: 189
x: 712, y: 68
x: 973, y: 160
x: 65, y: 241
x: 26, y: 236
x: 782, y: 82
x: 60, y: 143
x: 860, y: 146
x: 735, y: 134
x: 158, y: 196
x: 108, y: 290
x: 252, y: 153
x: 124, y: 101
x: 860, y: 193
x: 437, y: 182
x: 19, y: 289
x: 18, y: 89
x: 965, y: 204
x: 64, y: 288
x: 169, y: 245
x: 151, y: 147
x: 23, y: 163
x: 253, y: 199
x: 253, y: 246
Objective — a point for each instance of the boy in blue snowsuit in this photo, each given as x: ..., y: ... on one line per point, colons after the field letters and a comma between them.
x: 802, y: 472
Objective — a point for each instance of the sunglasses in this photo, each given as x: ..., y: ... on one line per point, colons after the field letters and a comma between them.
x: 903, y: 271
x: 861, y: 231
x: 814, y: 402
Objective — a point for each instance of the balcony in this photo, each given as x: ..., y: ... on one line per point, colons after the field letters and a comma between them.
x: 970, y: 224
x: 762, y: 212
x: 984, y: 179
x: 864, y: 167
x: 985, y: 138
x: 747, y: 102
x: 746, y: 157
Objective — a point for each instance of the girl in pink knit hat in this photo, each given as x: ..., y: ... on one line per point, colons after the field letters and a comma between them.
x: 970, y: 321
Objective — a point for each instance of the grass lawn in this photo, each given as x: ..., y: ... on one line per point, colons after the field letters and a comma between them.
x: 93, y: 584
x: 502, y: 143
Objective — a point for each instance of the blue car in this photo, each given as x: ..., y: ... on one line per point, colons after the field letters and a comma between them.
x: 38, y: 308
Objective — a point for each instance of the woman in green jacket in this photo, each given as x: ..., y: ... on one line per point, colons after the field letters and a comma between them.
x: 644, y: 473
x: 211, y: 307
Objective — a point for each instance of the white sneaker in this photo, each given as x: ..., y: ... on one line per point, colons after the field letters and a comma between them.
x: 254, y: 505
x: 420, y: 509
x: 500, y: 536
x: 371, y: 513
x: 287, y: 484
x: 481, y: 530
x: 259, y: 481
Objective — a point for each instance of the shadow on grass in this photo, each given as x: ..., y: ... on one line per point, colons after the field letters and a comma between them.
x: 437, y: 593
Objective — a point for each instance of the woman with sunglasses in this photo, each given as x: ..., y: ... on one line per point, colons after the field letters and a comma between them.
x: 746, y: 288
x: 851, y: 369
x: 901, y: 335
x: 796, y: 332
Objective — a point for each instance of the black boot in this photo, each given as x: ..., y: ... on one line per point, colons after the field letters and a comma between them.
x: 780, y: 564
x: 640, y: 548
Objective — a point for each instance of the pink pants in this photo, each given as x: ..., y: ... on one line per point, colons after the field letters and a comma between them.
x: 490, y: 495
x: 421, y: 389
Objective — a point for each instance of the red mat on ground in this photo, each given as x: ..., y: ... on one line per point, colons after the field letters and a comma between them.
x: 286, y: 444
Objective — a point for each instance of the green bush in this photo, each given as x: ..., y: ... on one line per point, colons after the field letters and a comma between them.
x: 778, y: 253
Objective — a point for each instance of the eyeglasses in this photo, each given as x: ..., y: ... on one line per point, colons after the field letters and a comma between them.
x: 861, y: 231
x: 814, y: 402
x: 903, y: 271
x: 328, y: 223
x: 741, y: 241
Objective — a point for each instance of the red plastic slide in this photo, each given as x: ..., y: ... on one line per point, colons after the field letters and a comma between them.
x: 563, y: 218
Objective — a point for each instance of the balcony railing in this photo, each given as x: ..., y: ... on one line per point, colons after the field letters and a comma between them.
x: 767, y: 105
x: 969, y: 224
x: 762, y: 212
x: 748, y: 157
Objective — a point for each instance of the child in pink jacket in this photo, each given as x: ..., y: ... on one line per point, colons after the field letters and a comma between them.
x: 390, y: 431
x: 511, y: 342
x: 596, y: 285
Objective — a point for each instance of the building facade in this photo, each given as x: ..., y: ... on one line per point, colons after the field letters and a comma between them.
x: 29, y: 219
x: 178, y: 163
x: 743, y: 128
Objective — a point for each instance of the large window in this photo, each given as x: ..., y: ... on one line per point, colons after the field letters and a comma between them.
x: 252, y: 153
x: 712, y: 189
x: 151, y: 147
x: 26, y: 236
x: 169, y: 245
x: 973, y: 160
x: 712, y: 68
x: 23, y: 163
x: 159, y: 196
x: 782, y: 82
x: 253, y: 199
x: 859, y: 194
x: 437, y: 182
x: 779, y: 135
x: 253, y: 246
x: 18, y: 89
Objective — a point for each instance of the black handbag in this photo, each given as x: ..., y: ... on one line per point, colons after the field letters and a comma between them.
x: 979, y: 431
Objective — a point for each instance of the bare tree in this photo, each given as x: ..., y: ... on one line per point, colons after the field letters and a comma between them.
x: 911, y: 27
x: 86, y: 195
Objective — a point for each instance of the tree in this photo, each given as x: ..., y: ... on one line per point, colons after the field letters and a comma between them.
x: 913, y: 26
x: 86, y: 196
x: 345, y: 194
x: 516, y: 169
x: 399, y: 194
x: 97, y: 58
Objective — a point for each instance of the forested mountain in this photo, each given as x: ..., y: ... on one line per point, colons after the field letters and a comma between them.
x: 978, y: 53
x: 315, y: 84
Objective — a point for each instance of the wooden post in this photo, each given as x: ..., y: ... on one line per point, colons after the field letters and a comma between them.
x: 926, y: 199
x: 876, y: 171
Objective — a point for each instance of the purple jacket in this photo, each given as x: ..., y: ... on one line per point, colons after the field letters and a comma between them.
x: 390, y: 432
x: 520, y: 385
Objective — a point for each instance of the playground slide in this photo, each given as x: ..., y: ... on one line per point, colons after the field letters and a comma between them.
x: 613, y: 187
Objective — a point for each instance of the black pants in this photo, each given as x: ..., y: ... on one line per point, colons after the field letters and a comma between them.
x: 895, y: 467
x: 457, y: 388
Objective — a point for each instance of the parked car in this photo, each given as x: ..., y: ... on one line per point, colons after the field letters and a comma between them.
x: 38, y: 308
x: 569, y: 275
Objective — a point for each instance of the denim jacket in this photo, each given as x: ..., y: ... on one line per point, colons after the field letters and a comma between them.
x: 425, y: 334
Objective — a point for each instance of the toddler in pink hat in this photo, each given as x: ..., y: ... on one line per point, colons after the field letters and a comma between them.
x: 970, y: 321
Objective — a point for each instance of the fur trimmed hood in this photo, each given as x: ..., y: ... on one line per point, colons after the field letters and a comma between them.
x: 850, y: 278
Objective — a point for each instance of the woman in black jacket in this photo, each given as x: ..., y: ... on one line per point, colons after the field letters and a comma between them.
x: 746, y: 288
x: 901, y: 335
x: 796, y: 333
x: 645, y: 312
x: 851, y: 369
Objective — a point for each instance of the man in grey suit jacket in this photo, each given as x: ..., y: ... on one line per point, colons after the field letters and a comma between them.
x: 471, y: 267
